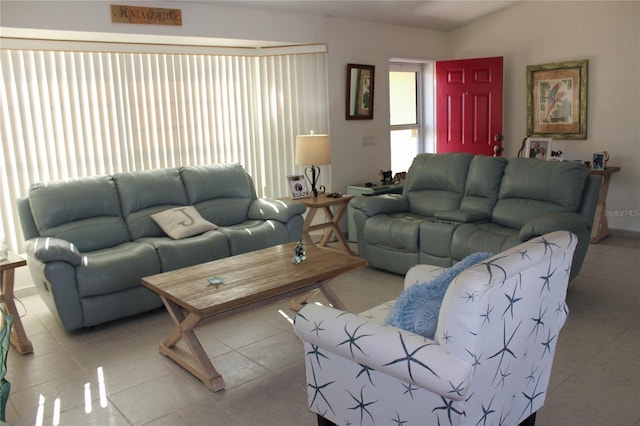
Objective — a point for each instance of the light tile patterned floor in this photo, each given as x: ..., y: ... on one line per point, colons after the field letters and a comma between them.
x: 595, y: 381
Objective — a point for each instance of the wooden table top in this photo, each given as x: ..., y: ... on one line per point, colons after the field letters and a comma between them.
x: 249, y: 278
x: 11, y: 262
x: 322, y: 200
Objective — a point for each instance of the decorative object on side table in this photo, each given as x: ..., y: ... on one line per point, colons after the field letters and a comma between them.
x: 557, y: 100
x: 299, y: 253
x: 298, y: 187
x: 313, y: 151
x: 386, y: 177
x: 598, y: 162
x: 539, y: 148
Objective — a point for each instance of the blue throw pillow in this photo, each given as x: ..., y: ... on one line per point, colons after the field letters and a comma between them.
x: 417, y: 308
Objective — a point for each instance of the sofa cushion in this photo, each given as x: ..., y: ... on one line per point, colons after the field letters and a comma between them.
x: 436, y: 182
x: 175, y: 254
x: 400, y: 231
x: 483, y: 183
x: 145, y: 193
x: 531, y: 188
x: 85, y: 212
x: 254, y: 235
x: 417, y: 308
x: 116, y: 269
x: 227, y: 201
x: 182, y: 222
x: 486, y: 237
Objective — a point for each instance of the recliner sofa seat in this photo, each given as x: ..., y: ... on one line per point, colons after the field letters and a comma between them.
x: 456, y: 204
x: 89, y: 241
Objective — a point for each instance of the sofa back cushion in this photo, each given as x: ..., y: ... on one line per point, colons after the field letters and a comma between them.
x: 531, y: 188
x: 145, y: 193
x: 436, y: 182
x: 85, y: 212
x: 483, y: 183
x: 222, y: 193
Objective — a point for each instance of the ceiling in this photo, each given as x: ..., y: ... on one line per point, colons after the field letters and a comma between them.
x: 444, y: 15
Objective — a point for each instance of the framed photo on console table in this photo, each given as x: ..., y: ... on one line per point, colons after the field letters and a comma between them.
x: 557, y: 100
x: 539, y: 148
x: 298, y: 187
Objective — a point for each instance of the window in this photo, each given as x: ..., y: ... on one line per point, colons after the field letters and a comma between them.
x: 411, y: 112
x: 70, y: 112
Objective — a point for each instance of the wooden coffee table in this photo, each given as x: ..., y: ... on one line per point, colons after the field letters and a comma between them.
x: 248, y: 280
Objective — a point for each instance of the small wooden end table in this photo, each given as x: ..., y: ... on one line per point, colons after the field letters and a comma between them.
x: 600, y: 228
x: 246, y: 281
x: 324, y: 203
x: 18, y: 338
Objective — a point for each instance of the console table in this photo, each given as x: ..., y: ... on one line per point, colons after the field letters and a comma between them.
x: 600, y: 228
x: 18, y: 338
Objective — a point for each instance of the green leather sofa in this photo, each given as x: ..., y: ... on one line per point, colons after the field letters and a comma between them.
x: 455, y: 204
x: 90, y: 241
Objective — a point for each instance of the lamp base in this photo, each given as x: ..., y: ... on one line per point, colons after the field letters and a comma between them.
x: 313, y: 180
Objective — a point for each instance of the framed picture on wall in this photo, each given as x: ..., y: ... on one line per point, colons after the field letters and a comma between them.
x: 557, y: 100
x: 298, y: 187
x: 539, y: 148
x: 360, y: 86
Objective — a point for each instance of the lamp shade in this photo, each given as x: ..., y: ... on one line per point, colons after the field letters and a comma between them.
x: 312, y: 150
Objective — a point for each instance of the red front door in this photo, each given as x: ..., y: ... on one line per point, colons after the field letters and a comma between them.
x: 469, y: 105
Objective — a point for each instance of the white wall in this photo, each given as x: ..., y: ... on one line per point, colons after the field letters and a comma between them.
x: 607, y: 33
x: 348, y: 42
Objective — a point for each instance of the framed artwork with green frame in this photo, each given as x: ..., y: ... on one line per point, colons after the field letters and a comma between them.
x: 557, y: 100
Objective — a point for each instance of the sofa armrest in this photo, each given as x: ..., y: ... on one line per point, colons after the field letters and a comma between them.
x: 541, y: 225
x: 280, y: 210
x: 47, y: 249
x: 373, y: 205
x: 401, y: 354
x: 422, y: 274
x: 463, y: 216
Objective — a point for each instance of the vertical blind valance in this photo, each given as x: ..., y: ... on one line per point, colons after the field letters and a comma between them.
x: 69, y: 114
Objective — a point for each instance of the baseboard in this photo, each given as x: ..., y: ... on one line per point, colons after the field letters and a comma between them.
x: 624, y: 233
x: 25, y: 292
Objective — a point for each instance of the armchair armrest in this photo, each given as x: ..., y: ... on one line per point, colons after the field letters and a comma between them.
x: 464, y: 216
x: 47, y: 249
x: 380, y: 204
x: 280, y: 210
x: 541, y: 225
x: 404, y: 355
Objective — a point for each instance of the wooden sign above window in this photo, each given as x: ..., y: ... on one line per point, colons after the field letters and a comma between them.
x: 145, y: 15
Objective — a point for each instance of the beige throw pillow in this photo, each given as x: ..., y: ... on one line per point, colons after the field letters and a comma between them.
x: 182, y: 222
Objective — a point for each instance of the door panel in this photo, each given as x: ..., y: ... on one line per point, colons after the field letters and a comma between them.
x: 469, y: 105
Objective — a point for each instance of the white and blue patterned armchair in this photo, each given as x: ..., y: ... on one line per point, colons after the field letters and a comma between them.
x: 489, y: 362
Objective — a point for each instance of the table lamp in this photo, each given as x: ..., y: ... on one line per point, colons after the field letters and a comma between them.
x: 312, y: 151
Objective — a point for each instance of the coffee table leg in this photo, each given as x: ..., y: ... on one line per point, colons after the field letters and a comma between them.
x: 332, y: 296
x: 196, y: 362
x: 297, y: 303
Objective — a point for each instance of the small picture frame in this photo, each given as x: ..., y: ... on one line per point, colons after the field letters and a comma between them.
x: 298, y: 187
x: 599, y: 160
x: 539, y: 148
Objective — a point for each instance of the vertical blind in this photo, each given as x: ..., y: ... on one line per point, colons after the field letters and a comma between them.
x: 69, y: 114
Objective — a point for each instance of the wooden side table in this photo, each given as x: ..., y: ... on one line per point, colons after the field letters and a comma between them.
x: 324, y: 203
x: 600, y: 228
x: 19, y: 338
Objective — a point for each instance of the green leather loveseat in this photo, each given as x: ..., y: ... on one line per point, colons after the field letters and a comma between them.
x: 453, y: 205
x: 90, y: 241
